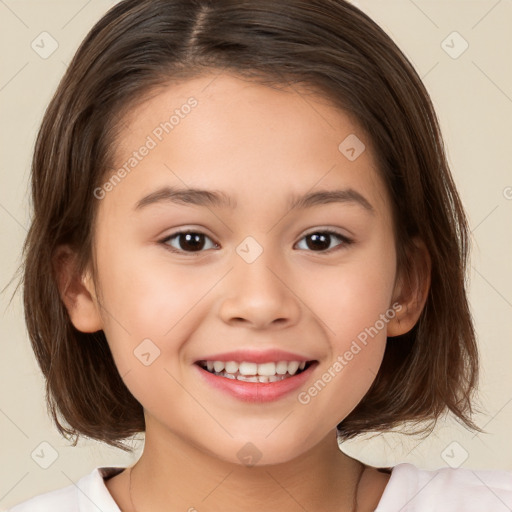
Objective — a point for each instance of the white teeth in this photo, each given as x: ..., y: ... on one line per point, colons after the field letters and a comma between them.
x: 218, y: 366
x: 281, y: 367
x: 293, y: 366
x: 248, y: 368
x: 248, y: 379
x: 254, y: 372
x: 231, y: 367
x: 263, y: 378
x: 267, y: 369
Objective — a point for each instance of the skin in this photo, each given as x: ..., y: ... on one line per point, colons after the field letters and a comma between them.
x: 257, y: 144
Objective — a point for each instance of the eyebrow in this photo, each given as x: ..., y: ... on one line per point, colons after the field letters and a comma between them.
x: 187, y: 196
x: 219, y: 199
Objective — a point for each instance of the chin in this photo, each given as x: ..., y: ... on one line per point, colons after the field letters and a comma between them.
x: 253, y: 451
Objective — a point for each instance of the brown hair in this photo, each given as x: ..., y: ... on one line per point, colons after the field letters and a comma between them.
x: 328, y: 46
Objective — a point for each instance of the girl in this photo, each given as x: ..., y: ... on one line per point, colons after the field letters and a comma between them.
x: 247, y: 244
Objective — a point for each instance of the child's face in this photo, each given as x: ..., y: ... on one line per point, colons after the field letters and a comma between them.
x: 259, y: 146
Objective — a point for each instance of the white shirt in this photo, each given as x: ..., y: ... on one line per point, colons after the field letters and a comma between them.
x: 409, y: 489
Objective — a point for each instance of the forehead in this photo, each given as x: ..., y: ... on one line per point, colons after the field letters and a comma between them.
x: 250, y: 140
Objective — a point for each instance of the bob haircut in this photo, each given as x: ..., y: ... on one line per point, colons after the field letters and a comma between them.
x: 328, y: 47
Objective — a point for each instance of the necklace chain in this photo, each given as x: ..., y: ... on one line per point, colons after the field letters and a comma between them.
x: 354, y: 502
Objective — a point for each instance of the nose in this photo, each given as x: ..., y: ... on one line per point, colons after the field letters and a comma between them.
x: 260, y: 294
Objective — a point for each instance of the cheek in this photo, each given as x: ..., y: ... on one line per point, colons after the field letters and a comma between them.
x: 144, y: 290
x: 351, y: 297
x: 146, y: 298
x: 150, y: 312
x: 357, y: 341
x: 352, y: 301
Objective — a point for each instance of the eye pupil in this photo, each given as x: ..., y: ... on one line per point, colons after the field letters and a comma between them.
x: 320, y: 241
x: 193, y: 241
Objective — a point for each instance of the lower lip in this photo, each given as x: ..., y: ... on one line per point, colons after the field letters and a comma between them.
x: 256, y: 391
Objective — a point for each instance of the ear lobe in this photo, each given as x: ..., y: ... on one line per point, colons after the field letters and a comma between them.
x: 76, y: 291
x: 411, y: 289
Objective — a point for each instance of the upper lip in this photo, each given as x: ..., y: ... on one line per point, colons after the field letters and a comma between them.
x: 256, y: 356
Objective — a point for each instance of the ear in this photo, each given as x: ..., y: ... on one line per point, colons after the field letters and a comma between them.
x: 411, y: 289
x: 76, y: 291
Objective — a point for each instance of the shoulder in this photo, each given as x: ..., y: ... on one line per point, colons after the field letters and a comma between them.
x: 411, y: 489
x: 88, y: 494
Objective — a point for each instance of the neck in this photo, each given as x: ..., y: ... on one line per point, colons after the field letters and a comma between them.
x: 177, y: 475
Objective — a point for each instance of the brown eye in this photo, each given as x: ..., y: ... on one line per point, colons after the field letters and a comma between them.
x: 187, y: 241
x: 320, y: 241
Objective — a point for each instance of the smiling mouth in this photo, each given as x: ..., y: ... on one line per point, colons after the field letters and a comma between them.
x: 254, y: 372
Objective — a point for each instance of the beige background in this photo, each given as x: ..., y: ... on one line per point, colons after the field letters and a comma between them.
x: 473, y: 97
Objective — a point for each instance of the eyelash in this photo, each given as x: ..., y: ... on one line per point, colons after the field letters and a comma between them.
x: 345, y: 241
